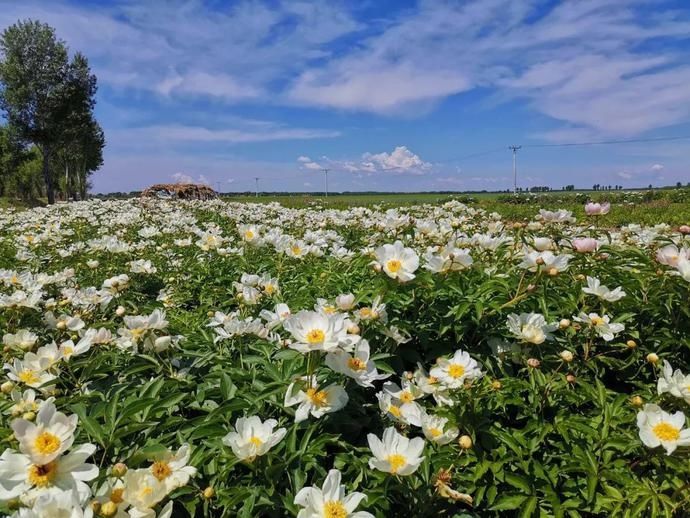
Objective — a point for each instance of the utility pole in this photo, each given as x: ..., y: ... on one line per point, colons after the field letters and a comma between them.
x: 325, y: 171
x: 515, y: 150
x: 257, y: 185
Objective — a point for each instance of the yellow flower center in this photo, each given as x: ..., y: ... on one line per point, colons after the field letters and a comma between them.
x: 28, y: 376
x: 255, y: 441
x: 393, y: 265
x: 296, y: 250
x: 597, y: 321
x: 356, y: 364
x: 666, y: 432
x: 47, y: 443
x: 137, y: 333
x: 366, y: 313
x: 455, y: 370
x: 406, y: 397
x: 161, y: 470
x: 432, y: 380
x: 317, y: 397
x: 435, y: 432
x: 269, y: 289
x: 67, y: 351
x: 42, y: 476
x: 249, y: 235
x: 116, y: 495
x: 334, y: 509
x: 395, y: 410
x: 328, y: 309
x: 396, y: 461
x: 315, y: 336
x: 144, y: 492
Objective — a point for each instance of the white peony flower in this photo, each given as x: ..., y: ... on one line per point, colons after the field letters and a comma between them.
x: 658, y: 428
x: 395, y: 453
x: 252, y: 438
x: 397, y: 261
x: 330, y: 501
x: 530, y: 327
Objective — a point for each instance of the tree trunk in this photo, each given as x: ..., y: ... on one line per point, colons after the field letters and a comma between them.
x: 47, y: 178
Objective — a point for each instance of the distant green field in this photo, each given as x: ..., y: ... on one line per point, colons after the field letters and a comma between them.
x: 662, y: 210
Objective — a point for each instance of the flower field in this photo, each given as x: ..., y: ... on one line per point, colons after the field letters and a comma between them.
x: 238, y: 359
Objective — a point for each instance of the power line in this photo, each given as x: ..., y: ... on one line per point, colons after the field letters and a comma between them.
x: 607, y: 142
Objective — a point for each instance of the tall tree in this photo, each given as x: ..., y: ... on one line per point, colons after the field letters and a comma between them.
x: 35, y: 87
x: 80, y: 148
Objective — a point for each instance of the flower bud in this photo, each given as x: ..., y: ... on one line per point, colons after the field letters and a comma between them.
x: 636, y: 401
x: 564, y: 323
x: 496, y: 385
x: 652, y: 358
x: 539, y: 261
x: 570, y: 378
x: 465, y: 442
x: 531, y: 288
x: 534, y: 363
x: 61, y: 326
x: 7, y: 387
x: 119, y: 470
x: 120, y: 311
x: 377, y: 267
x: 209, y: 493
x: 566, y: 356
x: 210, y: 313
x: 580, y: 277
x: 29, y: 416
x: 353, y: 329
x: 631, y: 344
x: 684, y: 229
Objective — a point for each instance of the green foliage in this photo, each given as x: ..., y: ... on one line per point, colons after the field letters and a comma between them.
x: 559, y: 439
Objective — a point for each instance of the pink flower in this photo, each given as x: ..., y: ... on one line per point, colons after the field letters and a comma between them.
x: 585, y: 244
x: 597, y: 209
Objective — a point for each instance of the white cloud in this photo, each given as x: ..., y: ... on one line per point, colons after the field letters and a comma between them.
x: 401, y: 161
x: 222, y: 86
x: 199, y: 134
x: 186, y: 178
x: 657, y: 167
x: 625, y: 175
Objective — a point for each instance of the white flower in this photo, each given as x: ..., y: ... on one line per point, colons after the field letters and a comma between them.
x: 317, y: 331
x: 313, y: 400
x: 530, y: 327
x: 533, y: 260
x: 345, y: 302
x: 48, y: 437
x: 142, y: 266
x: 55, y: 504
x: 24, y: 339
x: 601, y: 325
x: 435, y: 430
x: 172, y: 469
x: 19, y: 476
x: 658, y: 428
x: 397, y: 261
x: 670, y: 255
x: 357, y: 365
x: 396, y: 453
x: 252, y: 438
x: 400, y: 403
x: 594, y: 287
x: 330, y: 501
x: 675, y: 383
x: 454, y: 371
x: 142, y: 492
x: 446, y: 259
x: 32, y: 370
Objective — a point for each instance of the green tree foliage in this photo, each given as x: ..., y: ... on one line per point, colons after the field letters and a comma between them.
x: 48, y: 101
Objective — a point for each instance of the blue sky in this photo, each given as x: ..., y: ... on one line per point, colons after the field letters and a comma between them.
x: 389, y: 95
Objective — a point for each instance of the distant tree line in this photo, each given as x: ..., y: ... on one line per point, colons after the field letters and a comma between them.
x: 50, y: 143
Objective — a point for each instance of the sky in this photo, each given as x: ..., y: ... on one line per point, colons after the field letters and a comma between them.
x: 389, y: 95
